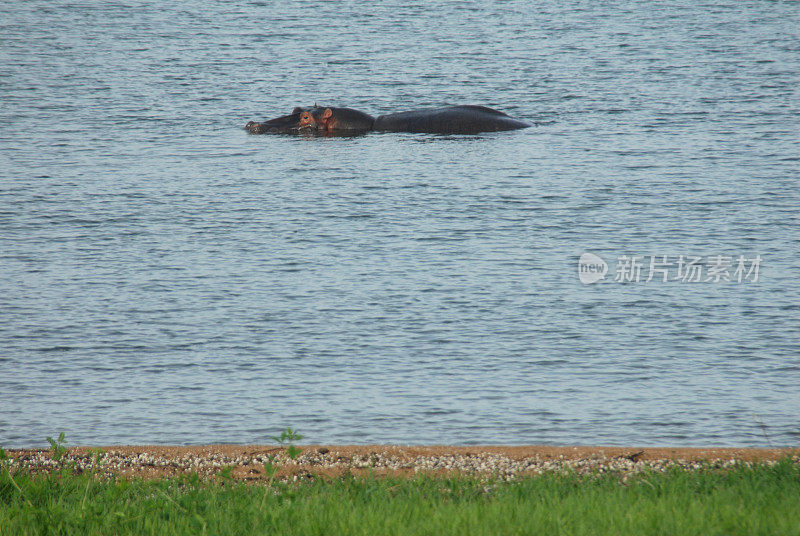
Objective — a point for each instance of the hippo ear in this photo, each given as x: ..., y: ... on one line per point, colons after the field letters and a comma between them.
x: 327, y: 113
x: 316, y: 105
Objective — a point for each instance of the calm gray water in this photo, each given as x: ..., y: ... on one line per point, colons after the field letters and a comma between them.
x: 167, y: 278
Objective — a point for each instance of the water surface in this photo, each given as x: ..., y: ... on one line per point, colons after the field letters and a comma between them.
x: 167, y: 278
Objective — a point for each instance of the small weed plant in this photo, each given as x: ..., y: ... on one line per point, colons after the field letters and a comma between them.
x: 287, y: 439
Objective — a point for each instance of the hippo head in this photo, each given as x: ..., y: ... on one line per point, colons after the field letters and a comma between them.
x: 300, y: 120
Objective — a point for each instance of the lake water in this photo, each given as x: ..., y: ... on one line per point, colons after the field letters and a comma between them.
x: 167, y: 278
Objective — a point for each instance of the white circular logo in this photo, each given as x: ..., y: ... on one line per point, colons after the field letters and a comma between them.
x: 591, y: 268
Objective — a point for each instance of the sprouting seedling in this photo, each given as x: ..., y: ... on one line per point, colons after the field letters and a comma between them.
x: 293, y: 452
x: 57, y: 446
x: 288, y: 437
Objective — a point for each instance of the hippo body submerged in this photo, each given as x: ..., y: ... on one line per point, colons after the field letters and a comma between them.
x: 449, y: 120
x: 467, y: 119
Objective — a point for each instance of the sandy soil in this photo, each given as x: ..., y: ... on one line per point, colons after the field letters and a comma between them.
x: 247, y: 461
x: 521, y: 452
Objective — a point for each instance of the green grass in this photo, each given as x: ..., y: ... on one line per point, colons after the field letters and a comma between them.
x: 742, y: 500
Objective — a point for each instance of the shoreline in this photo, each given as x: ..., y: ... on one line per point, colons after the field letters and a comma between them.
x: 246, y: 462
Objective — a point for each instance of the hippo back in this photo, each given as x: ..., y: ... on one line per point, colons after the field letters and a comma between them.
x: 449, y: 120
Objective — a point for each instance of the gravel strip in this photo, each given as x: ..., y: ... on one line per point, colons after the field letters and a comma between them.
x: 248, y: 463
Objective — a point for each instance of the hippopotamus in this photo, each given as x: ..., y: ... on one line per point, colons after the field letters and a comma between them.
x: 465, y: 119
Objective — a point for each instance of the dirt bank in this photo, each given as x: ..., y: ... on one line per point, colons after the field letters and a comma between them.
x: 247, y: 462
